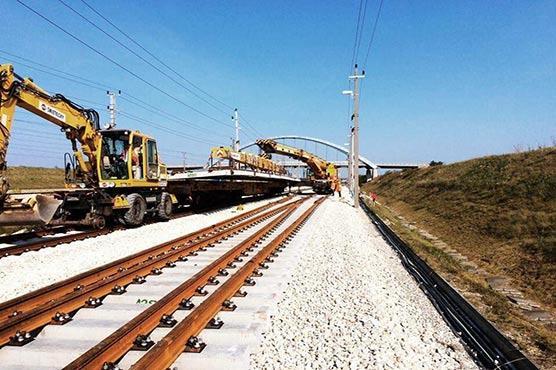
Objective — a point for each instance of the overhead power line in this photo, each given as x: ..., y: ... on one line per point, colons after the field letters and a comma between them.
x: 165, y: 129
x: 75, y: 78
x: 373, y: 33
x: 353, y: 57
x: 155, y: 57
x: 57, y: 75
x: 244, y: 120
x: 228, y: 106
x: 100, y: 85
x: 361, y: 28
x: 121, y: 66
x: 151, y: 108
x: 139, y: 56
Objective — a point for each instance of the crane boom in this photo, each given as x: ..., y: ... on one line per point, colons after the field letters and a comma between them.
x: 319, y: 166
x: 323, y: 171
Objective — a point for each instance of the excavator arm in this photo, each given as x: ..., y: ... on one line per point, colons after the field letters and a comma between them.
x: 80, y: 125
x: 318, y: 165
x: 325, y: 173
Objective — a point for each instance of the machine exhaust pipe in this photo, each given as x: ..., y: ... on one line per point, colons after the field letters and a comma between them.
x: 36, y: 210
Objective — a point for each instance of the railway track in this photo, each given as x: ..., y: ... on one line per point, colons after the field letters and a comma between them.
x: 247, y: 233
x: 30, y: 311
x: 22, y: 236
x: 18, y: 249
x: 48, y: 242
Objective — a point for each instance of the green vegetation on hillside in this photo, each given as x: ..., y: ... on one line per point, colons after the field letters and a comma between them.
x: 499, y: 212
x: 499, y: 209
x: 35, y: 178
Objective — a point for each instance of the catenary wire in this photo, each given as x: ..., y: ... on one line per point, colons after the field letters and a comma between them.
x: 100, y: 105
x: 121, y: 66
x: 373, y: 33
x: 361, y: 29
x: 353, y: 57
x: 164, y: 64
x: 140, y: 57
x: 101, y: 85
x: 165, y: 129
x: 155, y: 57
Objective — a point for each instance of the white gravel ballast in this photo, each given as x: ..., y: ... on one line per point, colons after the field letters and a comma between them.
x: 33, y: 270
x: 350, y: 304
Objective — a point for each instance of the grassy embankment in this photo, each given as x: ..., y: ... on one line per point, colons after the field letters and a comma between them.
x: 500, y: 212
x: 35, y: 178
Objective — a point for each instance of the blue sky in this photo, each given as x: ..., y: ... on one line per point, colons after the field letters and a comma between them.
x: 446, y: 80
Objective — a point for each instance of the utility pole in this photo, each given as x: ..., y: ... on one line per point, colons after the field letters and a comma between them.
x: 355, y: 77
x: 236, y: 121
x: 112, y: 108
x: 350, y: 161
x: 184, y: 156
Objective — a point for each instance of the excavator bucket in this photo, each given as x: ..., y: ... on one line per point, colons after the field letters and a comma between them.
x: 34, y: 210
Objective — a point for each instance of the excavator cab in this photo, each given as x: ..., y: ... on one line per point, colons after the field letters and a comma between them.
x: 128, y: 159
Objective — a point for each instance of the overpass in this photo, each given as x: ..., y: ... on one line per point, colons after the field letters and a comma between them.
x: 344, y: 164
x: 371, y: 167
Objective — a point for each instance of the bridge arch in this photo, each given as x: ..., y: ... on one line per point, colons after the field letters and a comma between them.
x: 368, y: 164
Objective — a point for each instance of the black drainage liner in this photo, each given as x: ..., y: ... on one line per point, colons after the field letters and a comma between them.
x: 488, y: 347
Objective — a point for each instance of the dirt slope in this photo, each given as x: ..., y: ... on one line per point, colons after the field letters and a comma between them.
x: 500, y: 213
x: 35, y: 178
x: 500, y: 210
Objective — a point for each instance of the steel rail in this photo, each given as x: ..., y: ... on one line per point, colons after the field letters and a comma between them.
x: 12, y: 238
x: 168, y: 349
x: 486, y: 344
x: 41, y: 306
x: 16, y: 250
x: 121, y: 341
x: 19, y: 249
x: 66, y: 286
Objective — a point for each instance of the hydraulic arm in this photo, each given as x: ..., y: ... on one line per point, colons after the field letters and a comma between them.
x: 113, y: 174
x: 323, y: 171
x: 80, y: 125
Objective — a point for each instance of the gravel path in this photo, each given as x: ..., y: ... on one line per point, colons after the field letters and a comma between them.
x: 34, y: 270
x: 351, y: 305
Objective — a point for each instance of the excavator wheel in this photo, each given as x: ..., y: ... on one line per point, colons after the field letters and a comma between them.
x: 99, y: 223
x: 164, y: 209
x: 136, y: 212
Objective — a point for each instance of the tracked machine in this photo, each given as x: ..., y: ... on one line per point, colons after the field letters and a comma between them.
x: 112, y: 174
x: 323, y: 172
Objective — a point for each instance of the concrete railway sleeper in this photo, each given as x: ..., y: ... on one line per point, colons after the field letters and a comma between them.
x: 53, y: 291
x: 22, y: 236
x: 107, y: 353
x: 30, y: 312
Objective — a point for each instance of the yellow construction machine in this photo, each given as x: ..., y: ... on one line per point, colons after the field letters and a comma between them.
x: 248, y: 160
x: 111, y: 174
x: 323, y: 172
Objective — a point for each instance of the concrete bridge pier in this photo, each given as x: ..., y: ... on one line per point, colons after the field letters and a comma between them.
x: 370, y: 174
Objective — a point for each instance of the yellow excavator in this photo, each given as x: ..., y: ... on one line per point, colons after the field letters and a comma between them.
x: 112, y: 174
x: 323, y: 172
